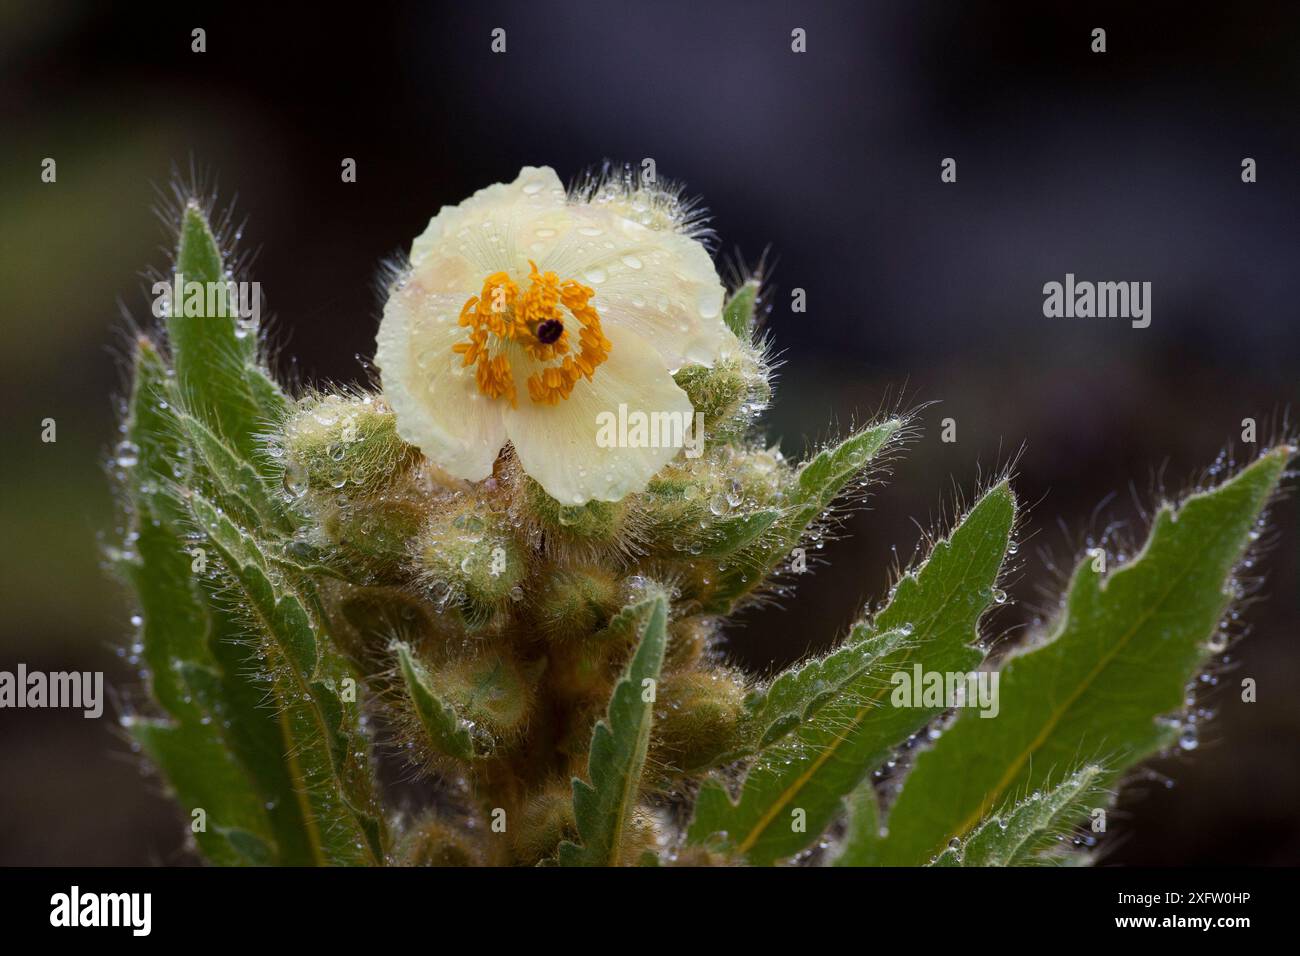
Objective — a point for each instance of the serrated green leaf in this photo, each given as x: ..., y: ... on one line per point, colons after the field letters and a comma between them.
x: 205, y: 778
x: 797, y: 694
x: 220, y: 748
x: 252, y: 730
x: 216, y: 368
x: 736, y: 531
x: 1122, y: 652
x: 174, y: 619
x: 626, y: 624
x: 818, y: 483
x: 603, y: 808
x: 1018, y: 835
x: 444, y: 729
x: 329, y: 750
x: 795, y: 788
x: 151, y: 428
x: 230, y: 480
x: 738, y: 313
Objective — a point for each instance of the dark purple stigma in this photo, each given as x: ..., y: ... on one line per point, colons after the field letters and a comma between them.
x: 549, y: 330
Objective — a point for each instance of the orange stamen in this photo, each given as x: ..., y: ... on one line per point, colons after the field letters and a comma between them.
x: 501, y: 315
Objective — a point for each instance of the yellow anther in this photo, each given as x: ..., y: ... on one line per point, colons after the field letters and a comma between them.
x: 535, y: 321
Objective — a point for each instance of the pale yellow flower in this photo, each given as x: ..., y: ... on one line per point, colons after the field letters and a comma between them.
x: 527, y: 313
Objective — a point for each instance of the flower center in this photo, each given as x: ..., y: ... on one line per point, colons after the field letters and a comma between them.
x: 548, y: 330
x: 503, y: 321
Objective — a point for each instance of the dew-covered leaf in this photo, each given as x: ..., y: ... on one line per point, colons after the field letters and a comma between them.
x: 796, y: 786
x: 861, y: 840
x: 796, y: 694
x: 739, y: 311
x: 445, y: 732
x: 316, y: 693
x: 218, y: 746
x: 603, y: 808
x: 818, y: 483
x: 1112, y: 670
x: 214, y: 357
x: 731, y: 533
x: 1019, y: 835
x: 230, y: 480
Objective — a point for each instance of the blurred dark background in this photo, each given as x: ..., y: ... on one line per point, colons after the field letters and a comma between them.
x: 1119, y: 166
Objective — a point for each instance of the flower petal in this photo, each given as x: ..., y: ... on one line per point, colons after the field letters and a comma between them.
x: 661, y: 285
x: 560, y: 445
x: 488, y: 232
x: 438, y: 405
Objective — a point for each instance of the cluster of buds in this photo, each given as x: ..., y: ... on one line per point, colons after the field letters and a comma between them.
x: 490, y: 612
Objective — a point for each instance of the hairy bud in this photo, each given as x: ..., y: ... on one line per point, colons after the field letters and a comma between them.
x: 712, y: 506
x: 434, y: 842
x: 644, y: 834
x: 728, y: 394
x: 546, y: 821
x: 688, y: 639
x: 373, y: 531
x: 467, y: 555
x: 368, y: 619
x: 698, y: 718
x: 575, y: 602
x: 493, y: 691
x: 593, y: 528
x: 345, y: 442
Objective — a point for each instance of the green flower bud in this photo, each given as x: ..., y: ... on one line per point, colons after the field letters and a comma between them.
x: 367, y: 619
x: 713, y: 505
x: 493, y: 691
x: 729, y: 394
x: 434, y: 842
x: 575, y: 602
x: 761, y: 474
x: 374, y: 531
x: 338, y: 442
x: 698, y: 718
x: 688, y: 639
x: 715, y: 392
x: 467, y: 555
x: 593, y: 528
x: 546, y: 821
x: 621, y: 634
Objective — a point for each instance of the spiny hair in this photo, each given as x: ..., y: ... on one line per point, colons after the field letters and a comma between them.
x: 651, y: 201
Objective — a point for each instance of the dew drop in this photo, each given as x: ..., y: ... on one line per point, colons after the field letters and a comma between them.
x: 126, y: 454
x: 708, y: 303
